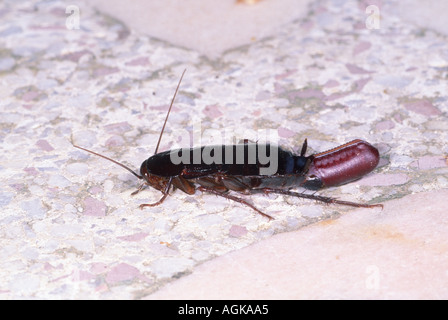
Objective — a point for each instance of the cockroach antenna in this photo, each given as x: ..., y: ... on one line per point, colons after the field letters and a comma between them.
x: 169, y: 110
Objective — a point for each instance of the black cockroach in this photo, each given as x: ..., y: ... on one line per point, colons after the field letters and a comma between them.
x: 334, y: 167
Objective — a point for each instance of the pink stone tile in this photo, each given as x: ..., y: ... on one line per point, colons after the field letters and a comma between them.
x: 121, y: 272
x: 285, y: 133
x: 44, y: 145
x: 142, y: 61
x: 278, y: 88
x: 361, y: 47
x: 263, y: 95
x: 356, y: 70
x: 31, y: 171
x: 95, y: 190
x: 237, y: 231
x: 331, y: 84
x: 422, y: 106
x: 134, y: 237
x: 431, y: 162
x: 385, y: 125
x: 395, y: 253
x: 117, y: 128
x: 115, y: 141
x: 94, y: 207
x: 98, y: 268
x: 285, y: 74
x: 306, y: 94
x: 384, y: 179
x: 104, y: 71
x: 76, y: 55
x: 359, y: 84
x: 212, y: 111
x: 29, y: 96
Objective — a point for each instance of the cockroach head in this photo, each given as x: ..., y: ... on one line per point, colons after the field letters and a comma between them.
x: 152, y: 180
x: 144, y: 171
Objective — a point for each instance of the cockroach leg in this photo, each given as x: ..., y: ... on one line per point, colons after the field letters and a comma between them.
x: 165, y: 194
x: 155, y: 203
x: 140, y: 188
x: 323, y: 199
x: 304, y: 147
x: 230, y: 197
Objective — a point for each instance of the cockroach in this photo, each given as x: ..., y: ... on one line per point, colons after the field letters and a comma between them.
x: 246, y: 175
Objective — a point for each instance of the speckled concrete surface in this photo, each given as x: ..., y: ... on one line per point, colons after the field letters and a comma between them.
x: 69, y: 227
